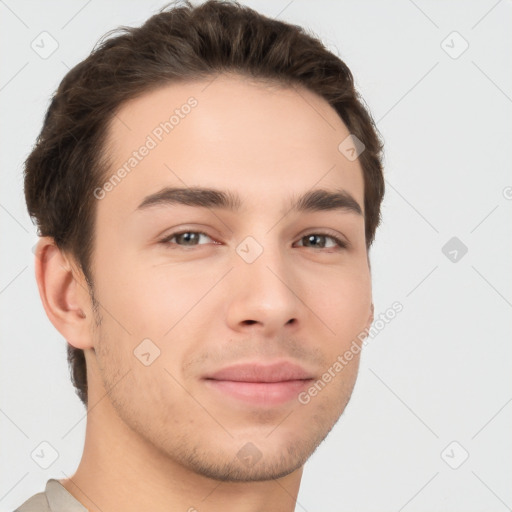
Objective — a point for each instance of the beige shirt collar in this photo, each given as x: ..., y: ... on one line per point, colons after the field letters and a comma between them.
x: 60, y: 499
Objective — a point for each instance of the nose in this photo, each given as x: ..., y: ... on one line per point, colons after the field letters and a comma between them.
x: 262, y: 295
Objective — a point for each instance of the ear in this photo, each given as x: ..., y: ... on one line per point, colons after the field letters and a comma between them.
x: 64, y: 293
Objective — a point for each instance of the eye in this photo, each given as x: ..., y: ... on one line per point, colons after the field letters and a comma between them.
x: 318, y: 241
x: 313, y: 240
x: 184, y: 238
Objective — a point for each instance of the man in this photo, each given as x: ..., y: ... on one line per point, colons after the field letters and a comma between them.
x: 207, y: 188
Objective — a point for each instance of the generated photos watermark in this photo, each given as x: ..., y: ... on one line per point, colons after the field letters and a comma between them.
x: 342, y: 360
x: 156, y: 136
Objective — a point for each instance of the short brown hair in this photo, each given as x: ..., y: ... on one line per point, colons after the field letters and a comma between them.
x: 180, y: 43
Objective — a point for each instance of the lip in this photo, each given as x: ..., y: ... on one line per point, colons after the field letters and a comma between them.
x: 279, y: 371
x: 260, y: 384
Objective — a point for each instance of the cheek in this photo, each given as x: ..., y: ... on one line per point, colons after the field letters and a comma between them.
x: 343, y: 304
x: 157, y: 302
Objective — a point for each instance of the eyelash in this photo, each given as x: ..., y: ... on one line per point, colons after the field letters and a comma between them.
x: 341, y: 244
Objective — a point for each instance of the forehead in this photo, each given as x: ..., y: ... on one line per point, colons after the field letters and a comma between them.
x: 267, y: 142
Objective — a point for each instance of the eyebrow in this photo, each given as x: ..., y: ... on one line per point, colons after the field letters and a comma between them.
x: 311, y: 201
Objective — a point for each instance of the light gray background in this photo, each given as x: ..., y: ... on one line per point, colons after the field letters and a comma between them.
x: 440, y: 371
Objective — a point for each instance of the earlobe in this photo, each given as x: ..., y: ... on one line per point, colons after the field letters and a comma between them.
x: 63, y: 292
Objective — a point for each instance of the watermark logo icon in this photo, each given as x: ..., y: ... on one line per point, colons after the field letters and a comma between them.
x: 249, y: 249
x: 351, y: 147
x: 455, y: 455
x: 249, y: 454
x: 44, y: 455
x: 454, y: 45
x: 146, y: 352
x: 454, y: 249
x: 45, y: 45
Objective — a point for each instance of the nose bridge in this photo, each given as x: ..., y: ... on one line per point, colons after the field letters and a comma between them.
x: 264, y: 264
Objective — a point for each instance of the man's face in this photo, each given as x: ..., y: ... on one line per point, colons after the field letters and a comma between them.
x: 259, y: 285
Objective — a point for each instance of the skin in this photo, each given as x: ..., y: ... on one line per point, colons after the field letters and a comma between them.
x: 159, y: 429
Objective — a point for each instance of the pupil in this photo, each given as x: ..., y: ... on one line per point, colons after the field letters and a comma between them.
x: 188, y: 236
x: 312, y: 238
